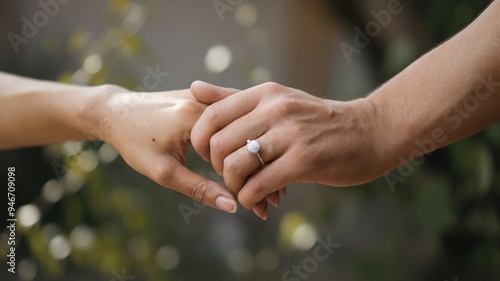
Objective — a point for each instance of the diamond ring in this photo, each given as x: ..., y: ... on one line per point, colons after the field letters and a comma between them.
x: 253, y: 147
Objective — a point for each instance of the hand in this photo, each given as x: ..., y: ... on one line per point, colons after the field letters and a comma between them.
x: 209, y: 94
x: 303, y: 139
x: 152, y: 131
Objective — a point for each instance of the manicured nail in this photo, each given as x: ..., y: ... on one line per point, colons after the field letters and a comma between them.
x: 262, y: 216
x: 225, y: 204
x: 274, y: 199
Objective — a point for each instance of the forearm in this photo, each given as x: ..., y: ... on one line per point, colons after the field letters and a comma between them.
x: 34, y: 112
x: 448, y: 94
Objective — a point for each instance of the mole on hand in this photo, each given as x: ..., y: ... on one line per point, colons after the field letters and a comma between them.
x: 153, y: 139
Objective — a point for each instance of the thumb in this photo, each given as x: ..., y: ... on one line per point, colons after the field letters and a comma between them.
x: 201, y: 189
x: 207, y: 93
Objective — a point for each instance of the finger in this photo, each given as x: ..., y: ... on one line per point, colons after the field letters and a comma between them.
x: 274, y: 198
x: 283, y: 192
x: 199, y: 188
x: 260, y: 209
x: 270, y: 179
x: 234, y: 137
x: 241, y: 164
x: 218, y: 116
x: 207, y: 93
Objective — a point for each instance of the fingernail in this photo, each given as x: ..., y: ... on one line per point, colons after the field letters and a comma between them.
x: 225, y: 204
x: 275, y: 201
x: 263, y: 216
x: 199, y: 82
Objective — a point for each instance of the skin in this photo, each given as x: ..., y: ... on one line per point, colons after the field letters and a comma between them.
x: 150, y: 130
x: 448, y: 94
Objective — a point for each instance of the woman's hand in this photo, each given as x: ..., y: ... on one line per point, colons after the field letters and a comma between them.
x: 152, y: 131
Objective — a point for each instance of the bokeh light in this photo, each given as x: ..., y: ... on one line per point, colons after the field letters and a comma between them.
x: 135, y: 18
x: 28, y: 215
x: 80, y: 77
x: 92, y: 64
x: 107, y: 153
x: 52, y: 191
x: 59, y: 247
x: 89, y: 162
x: 27, y: 270
x: 218, y: 58
x: 167, y: 257
x: 260, y: 75
x: 246, y: 15
x: 304, y: 237
x: 82, y: 237
x: 73, y: 181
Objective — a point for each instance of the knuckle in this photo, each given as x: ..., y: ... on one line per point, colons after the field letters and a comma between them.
x: 189, y: 111
x: 216, y: 145
x: 110, y: 88
x: 231, y: 167
x: 199, y: 192
x: 211, y: 113
x: 257, y: 188
x: 285, y: 107
x: 190, y: 107
x: 273, y: 87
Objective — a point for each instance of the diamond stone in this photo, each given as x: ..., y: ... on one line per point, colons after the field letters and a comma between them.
x: 253, y: 146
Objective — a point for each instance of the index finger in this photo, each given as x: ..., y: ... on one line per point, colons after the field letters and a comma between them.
x: 219, y: 115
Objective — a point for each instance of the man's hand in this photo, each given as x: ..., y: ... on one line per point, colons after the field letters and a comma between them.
x: 303, y: 139
x: 208, y: 94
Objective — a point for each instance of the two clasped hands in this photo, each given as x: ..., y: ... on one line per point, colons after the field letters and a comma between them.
x: 302, y: 139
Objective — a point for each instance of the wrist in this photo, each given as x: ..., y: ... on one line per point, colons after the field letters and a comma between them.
x: 391, y: 137
x: 358, y: 134
x: 94, y: 115
x: 377, y: 131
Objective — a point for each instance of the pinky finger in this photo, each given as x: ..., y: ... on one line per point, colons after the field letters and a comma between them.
x: 283, y: 192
